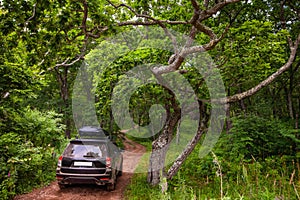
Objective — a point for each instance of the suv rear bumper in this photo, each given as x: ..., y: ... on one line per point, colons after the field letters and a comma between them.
x: 70, y: 178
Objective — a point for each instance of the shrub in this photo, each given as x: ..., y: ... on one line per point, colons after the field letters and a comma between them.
x: 258, y: 138
x: 28, y: 150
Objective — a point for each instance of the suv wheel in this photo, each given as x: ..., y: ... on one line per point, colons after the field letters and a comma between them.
x: 111, y: 187
x: 62, y: 186
x: 120, y: 171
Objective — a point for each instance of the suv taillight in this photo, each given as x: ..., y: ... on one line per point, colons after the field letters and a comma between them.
x: 59, y: 161
x: 108, y: 162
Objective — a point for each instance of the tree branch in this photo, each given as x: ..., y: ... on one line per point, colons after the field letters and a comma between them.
x: 85, y: 30
x: 133, y: 11
x: 158, y: 22
x: 196, y: 14
x: 214, y: 40
x: 283, y: 21
x: 205, y: 14
x: 65, y: 64
x: 87, y: 35
x: 177, y: 61
x: 206, y: 30
x: 267, y: 81
x: 150, y: 23
x: 33, y: 15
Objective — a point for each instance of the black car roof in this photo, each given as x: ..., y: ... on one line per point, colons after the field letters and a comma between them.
x: 90, y: 129
x: 92, y: 132
x: 104, y: 140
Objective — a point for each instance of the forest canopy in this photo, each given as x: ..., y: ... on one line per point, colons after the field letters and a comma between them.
x: 253, y: 45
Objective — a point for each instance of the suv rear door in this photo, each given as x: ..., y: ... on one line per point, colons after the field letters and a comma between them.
x: 84, y: 158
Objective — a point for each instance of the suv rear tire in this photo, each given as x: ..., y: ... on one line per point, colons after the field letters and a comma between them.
x: 111, y: 187
x: 120, y: 173
x: 62, y: 186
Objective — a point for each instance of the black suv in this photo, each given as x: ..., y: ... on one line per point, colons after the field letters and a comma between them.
x: 93, y: 159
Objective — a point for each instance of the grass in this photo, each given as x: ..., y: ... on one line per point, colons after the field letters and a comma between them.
x: 214, y: 177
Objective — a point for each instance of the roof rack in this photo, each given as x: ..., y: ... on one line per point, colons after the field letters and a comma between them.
x: 92, y: 132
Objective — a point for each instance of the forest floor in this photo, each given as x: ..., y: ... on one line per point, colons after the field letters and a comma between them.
x: 133, y: 153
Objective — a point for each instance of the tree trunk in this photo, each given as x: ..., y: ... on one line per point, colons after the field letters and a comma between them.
x: 178, y: 132
x: 183, y: 156
x: 242, y: 103
x: 64, y: 93
x: 160, y: 148
x: 228, y: 121
x: 289, y: 102
x: 157, y: 158
x: 190, y: 147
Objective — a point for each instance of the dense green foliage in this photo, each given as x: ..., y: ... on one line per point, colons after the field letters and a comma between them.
x: 44, y: 43
x: 258, y: 138
x: 28, y: 146
x: 142, y: 98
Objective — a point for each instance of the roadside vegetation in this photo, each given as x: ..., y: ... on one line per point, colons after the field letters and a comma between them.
x: 30, y: 141
x: 256, y: 160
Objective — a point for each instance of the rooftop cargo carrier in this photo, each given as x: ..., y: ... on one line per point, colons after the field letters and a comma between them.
x: 92, y: 132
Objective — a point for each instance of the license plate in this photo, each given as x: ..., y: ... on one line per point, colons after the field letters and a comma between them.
x: 83, y: 164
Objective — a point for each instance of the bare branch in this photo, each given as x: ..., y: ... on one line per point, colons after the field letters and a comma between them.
x: 169, y: 68
x: 33, y: 15
x: 283, y: 21
x: 85, y: 15
x: 205, y: 14
x: 177, y: 61
x: 40, y: 63
x: 150, y: 23
x: 87, y: 35
x: 86, y: 32
x: 158, y: 22
x: 201, y: 27
x: 268, y: 80
x: 196, y: 14
x: 205, y: 3
x: 132, y: 10
x: 65, y: 64
x: 90, y: 33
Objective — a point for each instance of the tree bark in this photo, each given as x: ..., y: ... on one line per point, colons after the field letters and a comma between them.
x: 183, y: 156
x: 228, y: 121
x: 289, y: 102
x: 242, y: 103
x: 190, y: 147
x: 161, y: 144
x: 64, y: 93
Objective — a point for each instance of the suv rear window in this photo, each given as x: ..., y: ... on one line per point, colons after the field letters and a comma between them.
x: 86, y: 150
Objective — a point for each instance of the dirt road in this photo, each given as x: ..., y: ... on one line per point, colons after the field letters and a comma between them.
x: 132, y: 156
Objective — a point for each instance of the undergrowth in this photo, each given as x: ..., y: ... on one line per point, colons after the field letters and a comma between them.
x: 29, y: 150
x: 249, y: 163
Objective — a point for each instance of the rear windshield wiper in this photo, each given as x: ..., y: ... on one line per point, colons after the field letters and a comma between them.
x: 89, y: 156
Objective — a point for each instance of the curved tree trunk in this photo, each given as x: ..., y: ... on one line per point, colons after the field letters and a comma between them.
x: 190, y: 147
x: 161, y: 144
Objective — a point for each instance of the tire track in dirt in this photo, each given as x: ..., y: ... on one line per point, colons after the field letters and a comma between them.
x: 132, y: 155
